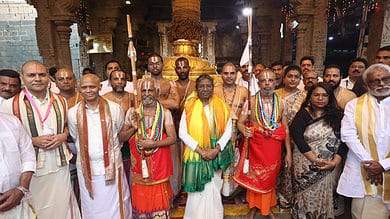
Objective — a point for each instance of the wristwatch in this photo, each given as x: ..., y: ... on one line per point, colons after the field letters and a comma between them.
x: 26, y: 192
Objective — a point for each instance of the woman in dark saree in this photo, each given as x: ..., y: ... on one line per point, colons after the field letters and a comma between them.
x: 316, y: 133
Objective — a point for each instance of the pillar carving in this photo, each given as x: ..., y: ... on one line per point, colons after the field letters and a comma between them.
x: 379, y: 30
x: 164, y: 43
x: 304, y: 36
x: 209, y: 45
x: 53, y: 30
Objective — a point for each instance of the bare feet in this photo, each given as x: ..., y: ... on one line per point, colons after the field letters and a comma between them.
x: 252, y: 213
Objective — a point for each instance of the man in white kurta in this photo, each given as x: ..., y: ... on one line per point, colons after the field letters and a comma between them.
x: 365, y: 129
x: 17, y: 164
x: 94, y: 125
x: 42, y: 114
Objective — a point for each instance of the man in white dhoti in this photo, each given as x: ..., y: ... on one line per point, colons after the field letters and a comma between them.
x: 42, y: 114
x: 17, y: 164
x: 94, y: 125
x: 365, y: 129
x: 205, y: 129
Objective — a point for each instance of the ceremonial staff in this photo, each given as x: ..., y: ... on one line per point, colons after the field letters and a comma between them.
x: 248, y: 13
x: 132, y: 54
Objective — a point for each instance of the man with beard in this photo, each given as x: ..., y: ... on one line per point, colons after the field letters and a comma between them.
x: 365, y: 129
x: 94, y: 125
x: 332, y: 77
x: 119, y: 95
x: 269, y: 129
x: 167, y: 93
x: 151, y: 192
x: 117, y: 80
x: 277, y: 68
x: 185, y: 86
x: 9, y: 84
x: 383, y: 55
x: 355, y: 70
x: 111, y: 66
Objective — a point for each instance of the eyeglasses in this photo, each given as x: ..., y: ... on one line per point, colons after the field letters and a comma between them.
x: 154, y: 63
x: 377, y: 82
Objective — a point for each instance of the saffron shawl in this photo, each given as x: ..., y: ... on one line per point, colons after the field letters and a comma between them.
x: 108, y: 143
x: 196, y: 172
x: 365, y: 124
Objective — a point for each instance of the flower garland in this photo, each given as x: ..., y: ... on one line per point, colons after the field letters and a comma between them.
x: 262, y: 117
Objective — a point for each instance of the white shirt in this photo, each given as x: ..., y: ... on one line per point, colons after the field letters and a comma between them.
x: 16, y: 152
x: 2, y: 99
x: 106, y: 87
x: 346, y: 83
x: 191, y: 143
x: 95, y: 140
x: 351, y: 182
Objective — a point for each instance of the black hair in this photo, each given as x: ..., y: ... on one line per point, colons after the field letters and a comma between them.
x: 333, y: 114
x: 310, y: 58
x: 292, y: 68
x: 359, y: 59
x: 10, y: 73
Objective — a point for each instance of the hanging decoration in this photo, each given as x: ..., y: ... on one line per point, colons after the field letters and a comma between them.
x: 83, y: 16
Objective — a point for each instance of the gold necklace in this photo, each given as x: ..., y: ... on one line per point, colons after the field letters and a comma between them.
x: 229, y: 103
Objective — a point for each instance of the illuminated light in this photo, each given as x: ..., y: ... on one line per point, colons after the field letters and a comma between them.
x: 357, y: 25
x: 247, y: 11
x: 128, y: 2
x: 330, y: 38
x: 237, y: 27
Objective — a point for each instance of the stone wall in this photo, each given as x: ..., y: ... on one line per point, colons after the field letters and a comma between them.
x: 18, y: 41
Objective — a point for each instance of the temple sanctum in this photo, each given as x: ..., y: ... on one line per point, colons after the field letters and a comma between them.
x: 87, y: 33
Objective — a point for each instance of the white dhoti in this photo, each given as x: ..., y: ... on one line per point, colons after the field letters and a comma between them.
x: 106, y: 202
x: 22, y: 211
x: 53, y: 197
x: 208, y: 203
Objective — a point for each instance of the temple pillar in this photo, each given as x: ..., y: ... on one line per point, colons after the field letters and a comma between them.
x: 209, y: 44
x: 164, y: 43
x: 311, y: 31
x: 379, y: 29
x: 53, y: 30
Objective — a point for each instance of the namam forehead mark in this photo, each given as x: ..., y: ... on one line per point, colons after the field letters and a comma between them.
x: 147, y: 85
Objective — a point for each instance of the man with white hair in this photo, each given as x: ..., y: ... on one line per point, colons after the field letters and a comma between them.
x: 365, y: 129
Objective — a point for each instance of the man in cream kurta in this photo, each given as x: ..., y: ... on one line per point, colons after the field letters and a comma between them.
x: 17, y: 164
x: 368, y: 155
x: 94, y: 125
x: 42, y: 114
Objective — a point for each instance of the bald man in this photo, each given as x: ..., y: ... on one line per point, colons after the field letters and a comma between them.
x: 42, y: 114
x: 158, y: 134
x: 66, y: 83
x: 94, y: 124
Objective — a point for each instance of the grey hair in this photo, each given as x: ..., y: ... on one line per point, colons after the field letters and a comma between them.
x: 375, y: 67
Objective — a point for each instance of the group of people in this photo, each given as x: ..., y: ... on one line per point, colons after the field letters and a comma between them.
x: 134, y: 146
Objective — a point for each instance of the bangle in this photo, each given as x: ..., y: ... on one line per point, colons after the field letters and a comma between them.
x: 23, y: 190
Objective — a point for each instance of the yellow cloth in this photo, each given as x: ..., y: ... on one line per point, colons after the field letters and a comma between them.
x: 365, y: 124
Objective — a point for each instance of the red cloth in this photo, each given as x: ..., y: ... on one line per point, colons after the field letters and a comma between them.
x: 159, y: 164
x: 265, y: 155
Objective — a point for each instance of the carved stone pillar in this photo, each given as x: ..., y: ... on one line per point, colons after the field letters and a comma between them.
x: 53, y: 30
x: 63, y: 50
x: 164, y: 43
x: 379, y: 30
x: 304, y: 36
x: 210, y: 44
